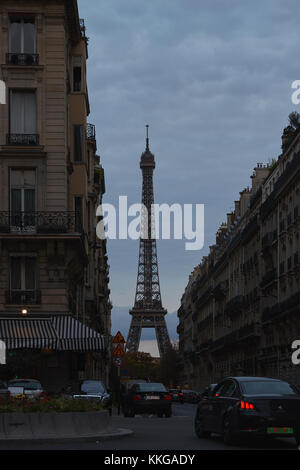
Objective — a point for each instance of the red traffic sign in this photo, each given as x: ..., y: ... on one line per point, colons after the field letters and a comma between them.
x: 118, y: 338
x: 118, y: 351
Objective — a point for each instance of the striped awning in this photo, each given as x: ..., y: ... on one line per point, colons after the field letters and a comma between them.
x: 75, y: 336
x: 61, y: 333
x: 28, y: 334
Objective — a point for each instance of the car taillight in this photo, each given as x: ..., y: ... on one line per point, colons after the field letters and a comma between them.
x: 167, y: 397
x: 245, y: 405
x: 181, y: 394
x: 137, y: 397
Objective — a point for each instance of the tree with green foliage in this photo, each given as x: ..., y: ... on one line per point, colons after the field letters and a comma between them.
x: 141, y: 365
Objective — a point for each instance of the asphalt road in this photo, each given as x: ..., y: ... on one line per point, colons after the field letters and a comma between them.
x: 153, y: 433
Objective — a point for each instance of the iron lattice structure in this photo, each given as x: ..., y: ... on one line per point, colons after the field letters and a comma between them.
x: 148, y: 311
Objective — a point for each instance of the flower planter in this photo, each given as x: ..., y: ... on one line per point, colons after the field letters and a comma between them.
x: 53, y: 425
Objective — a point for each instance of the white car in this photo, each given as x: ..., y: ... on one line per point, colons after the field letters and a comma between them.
x: 31, y: 388
x: 94, y: 390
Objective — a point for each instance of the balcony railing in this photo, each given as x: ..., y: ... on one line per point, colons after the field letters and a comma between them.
x: 19, y: 297
x: 288, y: 306
x: 82, y: 28
x: 252, y: 330
x: 22, y: 59
x: 235, y: 305
x: 219, y: 291
x: 90, y: 131
x: 22, y: 139
x: 204, y: 346
x: 271, y: 276
x: 40, y: 222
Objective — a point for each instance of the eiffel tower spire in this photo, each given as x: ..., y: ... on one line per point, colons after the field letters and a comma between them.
x: 148, y: 311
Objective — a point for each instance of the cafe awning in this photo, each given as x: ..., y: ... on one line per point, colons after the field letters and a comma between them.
x: 61, y: 333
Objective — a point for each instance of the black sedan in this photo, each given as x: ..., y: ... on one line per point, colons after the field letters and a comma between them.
x: 147, y: 398
x: 250, y: 406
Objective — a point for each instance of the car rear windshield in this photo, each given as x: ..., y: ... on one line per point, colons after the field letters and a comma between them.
x: 152, y: 387
x: 26, y: 384
x: 92, y: 387
x: 269, y: 388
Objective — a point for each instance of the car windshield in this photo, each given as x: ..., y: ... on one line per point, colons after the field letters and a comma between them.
x: 269, y: 388
x: 92, y: 386
x: 152, y: 387
x: 26, y: 384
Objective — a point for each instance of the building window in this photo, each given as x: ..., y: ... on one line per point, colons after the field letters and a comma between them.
x: 22, y: 41
x: 22, y: 38
x: 77, y: 73
x: 23, y: 199
x: 78, y: 143
x: 23, y: 117
x: 23, y: 280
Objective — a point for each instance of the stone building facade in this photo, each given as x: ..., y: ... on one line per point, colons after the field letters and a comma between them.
x: 239, y: 313
x: 51, y: 182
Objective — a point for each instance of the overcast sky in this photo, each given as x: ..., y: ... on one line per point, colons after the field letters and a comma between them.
x: 213, y: 80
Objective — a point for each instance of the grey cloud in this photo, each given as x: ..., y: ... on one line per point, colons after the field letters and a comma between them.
x: 213, y: 79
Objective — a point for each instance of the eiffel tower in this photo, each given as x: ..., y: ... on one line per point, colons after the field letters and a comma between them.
x: 148, y: 311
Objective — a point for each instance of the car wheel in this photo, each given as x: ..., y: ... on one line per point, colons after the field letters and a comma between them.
x: 168, y: 414
x: 199, y: 430
x: 160, y: 415
x: 228, y: 436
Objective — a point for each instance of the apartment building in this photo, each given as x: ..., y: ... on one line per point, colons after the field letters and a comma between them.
x: 54, y: 273
x: 239, y: 313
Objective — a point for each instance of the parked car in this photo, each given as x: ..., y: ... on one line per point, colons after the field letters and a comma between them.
x: 31, y: 388
x: 94, y: 390
x: 176, y: 395
x: 256, y: 406
x: 147, y: 398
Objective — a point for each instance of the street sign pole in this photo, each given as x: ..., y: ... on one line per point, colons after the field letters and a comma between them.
x: 119, y: 382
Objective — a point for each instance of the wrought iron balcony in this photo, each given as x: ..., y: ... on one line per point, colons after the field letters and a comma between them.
x: 90, y: 131
x: 219, y: 291
x: 40, y: 222
x: 19, y: 297
x: 22, y: 59
x: 270, y: 277
x: 82, y: 28
x: 253, y: 330
x: 234, y: 305
x: 278, y: 310
x: 204, y: 346
x: 22, y: 139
